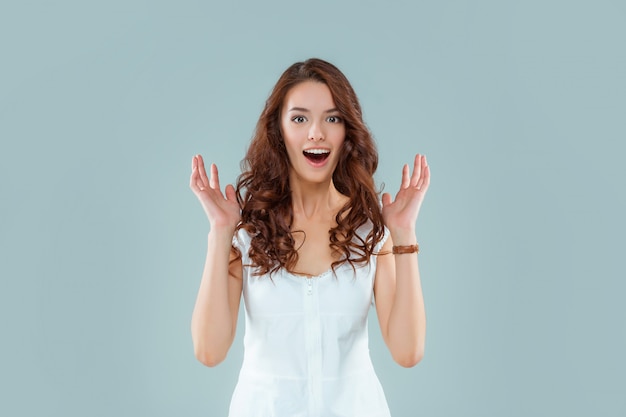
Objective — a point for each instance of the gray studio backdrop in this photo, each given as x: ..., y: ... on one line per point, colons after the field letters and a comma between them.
x: 519, y: 107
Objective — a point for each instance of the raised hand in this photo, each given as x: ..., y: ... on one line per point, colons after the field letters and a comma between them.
x: 401, y: 214
x: 222, y: 211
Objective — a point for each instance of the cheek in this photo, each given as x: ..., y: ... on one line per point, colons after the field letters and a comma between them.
x: 290, y: 146
x: 286, y: 135
x: 339, y: 136
x: 290, y: 132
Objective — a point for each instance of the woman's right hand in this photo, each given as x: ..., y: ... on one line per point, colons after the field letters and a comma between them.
x: 223, y: 212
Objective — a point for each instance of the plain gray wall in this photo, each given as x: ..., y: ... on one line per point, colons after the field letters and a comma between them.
x: 519, y: 107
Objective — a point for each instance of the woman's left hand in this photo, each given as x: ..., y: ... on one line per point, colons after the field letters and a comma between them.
x: 401, y: 214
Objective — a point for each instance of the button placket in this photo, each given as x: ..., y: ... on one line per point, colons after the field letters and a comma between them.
x: 313, y: 345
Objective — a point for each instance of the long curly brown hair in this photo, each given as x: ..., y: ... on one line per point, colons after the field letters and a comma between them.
x: 267, y: 212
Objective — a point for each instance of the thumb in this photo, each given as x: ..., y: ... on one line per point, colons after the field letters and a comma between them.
x: 230, y: 193
x: 386, y: 199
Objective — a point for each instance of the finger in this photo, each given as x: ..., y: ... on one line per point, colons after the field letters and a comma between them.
x: 193, y: 179
x: 417, y: 170
x: 231, y: 195
x: 424, y: 166
x: 386, y: 199
x: 425, y: 180
x: 405, y: 176
x: 203, y: 181
x: 215, y: 178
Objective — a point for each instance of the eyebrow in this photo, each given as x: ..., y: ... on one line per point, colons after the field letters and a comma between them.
x: 302, y: 109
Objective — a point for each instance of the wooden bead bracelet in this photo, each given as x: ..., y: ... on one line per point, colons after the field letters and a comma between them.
x: 399, y: 250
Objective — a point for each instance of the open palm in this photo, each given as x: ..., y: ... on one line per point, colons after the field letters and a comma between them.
x: 403, y: 211
x: 222, y: 210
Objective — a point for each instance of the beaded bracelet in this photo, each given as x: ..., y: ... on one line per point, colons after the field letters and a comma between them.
x: 399, y: 250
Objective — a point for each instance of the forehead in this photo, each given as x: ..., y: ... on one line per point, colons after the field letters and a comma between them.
x: 311, y: 95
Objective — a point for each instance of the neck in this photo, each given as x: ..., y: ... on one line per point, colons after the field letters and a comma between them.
x: 314, y: 199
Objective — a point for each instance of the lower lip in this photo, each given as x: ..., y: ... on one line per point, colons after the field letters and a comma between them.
x: 318, y: 164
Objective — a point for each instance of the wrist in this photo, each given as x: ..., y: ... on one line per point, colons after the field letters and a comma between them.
x: 221, y: 232
x: 403, y: 237
x: 401, y: 250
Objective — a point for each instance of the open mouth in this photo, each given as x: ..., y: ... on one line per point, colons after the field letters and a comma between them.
x: 316, y: 155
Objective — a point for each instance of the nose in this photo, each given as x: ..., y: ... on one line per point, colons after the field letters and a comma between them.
x: 315, y: 132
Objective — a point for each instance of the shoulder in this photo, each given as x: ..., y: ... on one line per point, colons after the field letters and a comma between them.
x: 381, y: 243
x: 366, y: 229
x: 242, y: 239
x: 365, y: 232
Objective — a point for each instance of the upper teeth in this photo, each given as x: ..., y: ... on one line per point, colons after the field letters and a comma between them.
x: 317, y: 151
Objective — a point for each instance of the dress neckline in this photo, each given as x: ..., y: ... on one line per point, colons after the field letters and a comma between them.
x: 308, y: 276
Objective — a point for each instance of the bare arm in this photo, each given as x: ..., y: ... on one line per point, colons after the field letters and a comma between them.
x: 400, y: 305
x: 214, y: 319
x: 397, y: 288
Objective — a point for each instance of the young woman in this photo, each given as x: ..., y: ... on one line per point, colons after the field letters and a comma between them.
x: 305, y: 239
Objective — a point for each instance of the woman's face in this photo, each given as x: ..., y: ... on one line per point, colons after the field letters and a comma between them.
x: 313, y: 131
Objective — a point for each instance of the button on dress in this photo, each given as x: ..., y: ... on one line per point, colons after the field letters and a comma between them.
x: 306, y: 348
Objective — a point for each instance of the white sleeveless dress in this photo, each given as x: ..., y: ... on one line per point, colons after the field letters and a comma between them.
x: 306, y: 348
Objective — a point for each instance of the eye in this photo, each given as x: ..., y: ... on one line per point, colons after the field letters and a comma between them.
x: 298, y: 119
x: 334, y: 119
